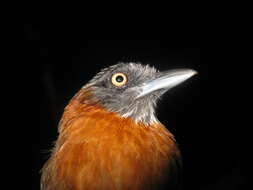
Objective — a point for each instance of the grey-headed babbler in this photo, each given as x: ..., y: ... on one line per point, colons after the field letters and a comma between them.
x: 109, y: 136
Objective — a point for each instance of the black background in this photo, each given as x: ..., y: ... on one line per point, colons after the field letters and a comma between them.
x: 54, y: 49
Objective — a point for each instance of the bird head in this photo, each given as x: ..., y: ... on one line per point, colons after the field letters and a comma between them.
x: 132, y: 89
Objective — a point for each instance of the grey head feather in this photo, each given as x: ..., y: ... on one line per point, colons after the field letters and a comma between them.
x: 122, y: 100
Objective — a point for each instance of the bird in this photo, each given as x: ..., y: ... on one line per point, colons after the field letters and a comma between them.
x: 109, y: 137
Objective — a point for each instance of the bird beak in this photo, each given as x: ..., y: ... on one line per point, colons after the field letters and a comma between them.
x: 165, y: 81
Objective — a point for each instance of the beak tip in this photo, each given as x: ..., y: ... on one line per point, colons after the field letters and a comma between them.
x: 194, y: 72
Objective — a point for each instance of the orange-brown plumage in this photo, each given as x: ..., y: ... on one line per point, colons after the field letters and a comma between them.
x: 109, y: 137
x: 97, y: 149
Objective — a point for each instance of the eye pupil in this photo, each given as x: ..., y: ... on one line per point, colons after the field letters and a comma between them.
x: 119, y: 78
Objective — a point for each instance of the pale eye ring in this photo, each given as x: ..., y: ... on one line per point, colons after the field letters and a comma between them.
x: 119, y: 79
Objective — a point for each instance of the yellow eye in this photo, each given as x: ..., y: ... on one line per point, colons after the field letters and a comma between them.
x: 119, y: 79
